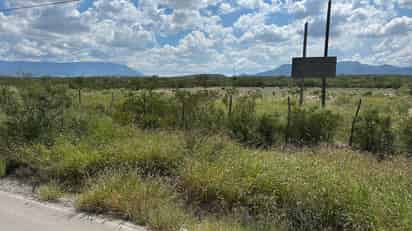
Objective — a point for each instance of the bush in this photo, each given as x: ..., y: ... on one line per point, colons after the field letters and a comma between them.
x: 243, y: 121
x: 312, y: 126
x: 269, y: 130
x: 147, y: 109
x: 199, y: 110
x: 35, y: 114
x: 374, y: 133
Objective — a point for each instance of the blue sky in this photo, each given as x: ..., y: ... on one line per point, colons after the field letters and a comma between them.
x: 172, y: 37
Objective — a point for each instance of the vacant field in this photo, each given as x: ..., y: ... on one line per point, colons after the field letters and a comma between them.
x: 216, y: 158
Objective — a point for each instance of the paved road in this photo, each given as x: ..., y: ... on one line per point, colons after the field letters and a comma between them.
x: 20, y: 214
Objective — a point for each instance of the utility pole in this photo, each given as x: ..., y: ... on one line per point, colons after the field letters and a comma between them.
x: 326, y: 51
x: 305, y: 42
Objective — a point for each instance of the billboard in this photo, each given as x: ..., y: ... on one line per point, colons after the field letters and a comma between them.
x: 314, y: 67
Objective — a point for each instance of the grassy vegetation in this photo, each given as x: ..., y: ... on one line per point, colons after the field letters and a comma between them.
x: 329, y: 190
x: 3, y: 167
x: 151, y: 202
x: 101, y: 83
x: 50, y: 192
x: 231, y: 159
x: 142, y: 201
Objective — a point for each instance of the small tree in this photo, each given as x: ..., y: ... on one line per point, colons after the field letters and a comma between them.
x: 36, y: 114
x: 148, y: 110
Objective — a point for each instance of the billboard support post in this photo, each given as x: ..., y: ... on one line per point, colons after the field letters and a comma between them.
x: 315, y: 67
x: 324, y: 82
x: 302, y: 85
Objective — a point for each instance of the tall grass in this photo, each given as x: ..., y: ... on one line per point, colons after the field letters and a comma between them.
x: 308, y: 189
x: 182, y: 178
x: 153, y: 203
x: 50, y: 192
x: 3, y: 167
x: 71, y: 163
x: 146, y: 202
x: 332, y: 190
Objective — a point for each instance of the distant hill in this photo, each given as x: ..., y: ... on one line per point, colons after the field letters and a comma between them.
x: 348, y: 68
x: 73, y: 69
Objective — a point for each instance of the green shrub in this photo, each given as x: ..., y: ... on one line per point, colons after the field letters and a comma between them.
x: 8, y: 98
x: 367, y: 93
x: 311, y: 126
x: 243, y: 121
x: 199, y: 110
x: 269, y: 130
x: 148, y: 109
x: 374, y: 133
x: 36, y: 114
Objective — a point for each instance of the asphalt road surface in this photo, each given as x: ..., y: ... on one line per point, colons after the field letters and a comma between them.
x: 18, y: 213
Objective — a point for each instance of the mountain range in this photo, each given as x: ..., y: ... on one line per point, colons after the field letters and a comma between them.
x: 347, y: 68
x: 73, y: 69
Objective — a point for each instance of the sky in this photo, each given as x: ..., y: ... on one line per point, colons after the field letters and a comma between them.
x: 175, y: 37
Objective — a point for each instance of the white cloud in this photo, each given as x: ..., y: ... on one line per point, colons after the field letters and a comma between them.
x: 118, y: 31
x: 226, y: 8
x: 405, y: 3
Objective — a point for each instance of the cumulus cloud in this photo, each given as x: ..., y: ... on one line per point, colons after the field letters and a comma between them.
x: 171, y: 37
x: 405, y: 4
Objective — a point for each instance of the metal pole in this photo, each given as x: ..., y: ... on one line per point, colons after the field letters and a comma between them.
x: 230, y: 104
x: 326, y: 51
x: 328, y: 28
x: 305, y: 42
x: 80, y: 97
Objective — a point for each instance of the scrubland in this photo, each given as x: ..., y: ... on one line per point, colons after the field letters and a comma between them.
x: 216, y: 159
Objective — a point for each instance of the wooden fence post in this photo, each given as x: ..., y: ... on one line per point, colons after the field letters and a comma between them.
x: 230, y: 105
x: 80, y: 97
x: 112, y: 102
x: 62, y: 119
x: 288, y: 122
x: 183, y: 113
x: 355, y: 118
